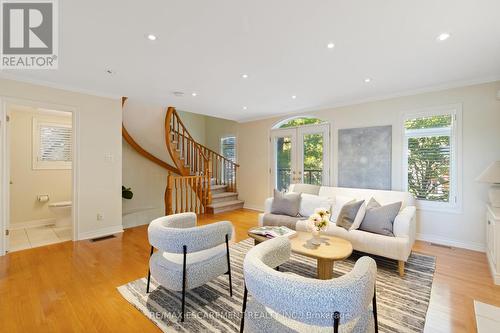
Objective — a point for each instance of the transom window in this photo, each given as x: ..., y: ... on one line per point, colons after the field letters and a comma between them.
x: 300, y: 121
x: 431, y: 159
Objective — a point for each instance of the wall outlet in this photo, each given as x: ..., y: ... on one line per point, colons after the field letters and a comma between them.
x: 100, y: 217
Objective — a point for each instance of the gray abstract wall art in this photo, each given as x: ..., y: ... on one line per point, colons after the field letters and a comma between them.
x: 365, y: 157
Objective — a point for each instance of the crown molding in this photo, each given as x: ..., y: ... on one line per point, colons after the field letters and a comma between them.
x: 429, y: 89
x: 14, y: 77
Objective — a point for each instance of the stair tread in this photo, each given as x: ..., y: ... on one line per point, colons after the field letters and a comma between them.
x: 225, y: 203
x: 217, y: 187
x: 223, y: 195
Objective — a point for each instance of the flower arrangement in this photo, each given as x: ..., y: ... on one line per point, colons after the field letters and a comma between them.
x: 319, y: 220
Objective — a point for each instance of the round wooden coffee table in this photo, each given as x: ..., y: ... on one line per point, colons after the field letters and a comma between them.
x: 331, y: 249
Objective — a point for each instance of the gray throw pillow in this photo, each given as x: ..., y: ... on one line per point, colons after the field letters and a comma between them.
x: 348, y: 214
x: 380, y: 219
x: 286, y: 203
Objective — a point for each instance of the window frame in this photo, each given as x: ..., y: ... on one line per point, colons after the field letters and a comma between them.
x: 455, y: 132
x: 48, y: 165
x: 221, y: 152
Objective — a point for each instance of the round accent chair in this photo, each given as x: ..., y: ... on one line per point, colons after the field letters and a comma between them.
x: 286, y: 302
x: 188, y: 256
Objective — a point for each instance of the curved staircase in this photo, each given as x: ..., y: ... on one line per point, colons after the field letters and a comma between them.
x: 195, y: 160
x: 202, y: 181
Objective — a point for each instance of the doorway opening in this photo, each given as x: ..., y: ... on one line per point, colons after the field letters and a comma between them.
x: 39, y: 173
x: 300, y: 152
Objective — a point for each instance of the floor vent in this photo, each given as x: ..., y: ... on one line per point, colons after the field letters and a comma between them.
x: 441, y: 245
x: 98, y: 239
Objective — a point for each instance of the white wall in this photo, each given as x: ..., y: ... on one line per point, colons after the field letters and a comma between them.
x: 27, y: 182
x: 98, y: 130
x: 481, y: 146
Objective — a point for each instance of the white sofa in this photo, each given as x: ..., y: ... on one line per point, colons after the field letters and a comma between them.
x: 404, y: 229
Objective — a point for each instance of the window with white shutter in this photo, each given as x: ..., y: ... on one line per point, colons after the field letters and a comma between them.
x: 52, y: 145
x: 228, y: 150
x: 430, y: 158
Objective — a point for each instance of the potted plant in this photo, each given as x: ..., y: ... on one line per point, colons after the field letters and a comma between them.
x: 127, y: 193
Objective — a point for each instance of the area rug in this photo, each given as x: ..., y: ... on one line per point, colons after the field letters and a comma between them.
x: 402, y: 302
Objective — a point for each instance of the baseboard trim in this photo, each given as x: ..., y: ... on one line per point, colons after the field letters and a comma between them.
x: 252, y: 207
x: 494, y: 273
x: 116, y: 229
x: 450, y: 242
x: 32, y: 224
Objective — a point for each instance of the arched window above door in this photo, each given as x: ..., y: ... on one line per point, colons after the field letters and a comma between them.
x: 298, y: 121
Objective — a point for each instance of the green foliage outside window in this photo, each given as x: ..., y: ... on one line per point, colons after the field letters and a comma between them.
x: 313, y: 155
x: 301, y: 122
x: 429, y: 159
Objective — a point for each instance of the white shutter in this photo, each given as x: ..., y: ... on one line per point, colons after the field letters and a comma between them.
x: 55, y: 143
x: 228, y: 148
x: 429, y: 172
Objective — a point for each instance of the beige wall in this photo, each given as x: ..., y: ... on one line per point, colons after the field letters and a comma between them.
x: 481, y: 146
x: 99, y: 172
x: 28, y: 183
x: 217, y: 128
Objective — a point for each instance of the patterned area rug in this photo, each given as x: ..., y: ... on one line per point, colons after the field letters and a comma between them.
x: 402, y: 302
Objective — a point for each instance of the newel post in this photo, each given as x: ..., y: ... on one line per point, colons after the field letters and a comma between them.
x: 168, y: 195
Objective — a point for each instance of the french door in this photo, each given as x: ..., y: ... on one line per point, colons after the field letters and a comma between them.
x: 300, y: 155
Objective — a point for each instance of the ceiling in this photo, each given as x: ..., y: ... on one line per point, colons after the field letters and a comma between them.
x: 206, y: 46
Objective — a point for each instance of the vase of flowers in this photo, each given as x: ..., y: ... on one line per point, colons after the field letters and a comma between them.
x: 318, y: 222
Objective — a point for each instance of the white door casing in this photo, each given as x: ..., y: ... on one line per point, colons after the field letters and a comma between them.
x: 295, y: 173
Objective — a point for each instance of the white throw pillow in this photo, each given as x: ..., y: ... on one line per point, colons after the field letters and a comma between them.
x: 359, y: 217
x: 310, y: 202
x: 340, y: 201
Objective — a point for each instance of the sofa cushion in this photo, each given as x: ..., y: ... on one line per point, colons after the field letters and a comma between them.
x: 310, y: 202
x: 382, y: 196
x: 280, y: 220
x: 305, y: 188
x: 348, y: 214
x: 286, y: 203
x: 380, y: 219
x: 340, y: 201
x: 359, y: 217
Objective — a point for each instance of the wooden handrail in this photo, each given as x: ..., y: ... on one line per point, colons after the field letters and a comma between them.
x: 192, y: 158
x: 130, y: 140
x: 205, y: 149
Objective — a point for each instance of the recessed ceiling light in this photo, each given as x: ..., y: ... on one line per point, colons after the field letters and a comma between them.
x: 294, y: 97
x: 194, y: 94
x: 178, y: 93
x: 245, y: 76
x: 244, y: 108
x: 368, y: 80
x: 151, y: 37
x: 330, y: 45
x: 443, y: 36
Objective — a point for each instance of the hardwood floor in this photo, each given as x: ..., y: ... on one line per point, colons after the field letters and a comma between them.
x: 71, y: 286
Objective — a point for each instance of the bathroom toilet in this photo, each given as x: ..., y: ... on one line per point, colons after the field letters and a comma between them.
x: 62, y: 211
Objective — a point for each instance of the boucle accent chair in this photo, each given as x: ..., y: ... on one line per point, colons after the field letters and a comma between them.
x: 188, y: 256
x: 285, y: 302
